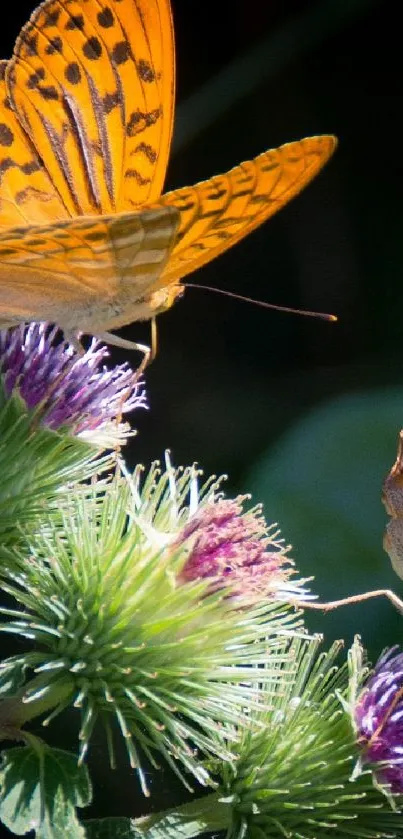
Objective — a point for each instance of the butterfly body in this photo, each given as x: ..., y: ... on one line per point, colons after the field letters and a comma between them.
x: 86, y: 238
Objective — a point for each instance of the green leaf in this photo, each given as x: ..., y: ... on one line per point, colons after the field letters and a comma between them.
x: 185, y: 822
x: 114, y: 828
x: 322, y: 482
x: 172, y: 826
x: 40, y: 789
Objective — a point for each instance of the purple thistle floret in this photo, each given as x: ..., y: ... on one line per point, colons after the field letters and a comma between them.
x: 379, y: 719
x: 72, y: 390
x: 234, y: 548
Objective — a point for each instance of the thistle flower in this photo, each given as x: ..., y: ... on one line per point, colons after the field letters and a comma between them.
x: 379, y: 720
x: 70, y: 390
x: 291, y: 772
x: 118, y: 635
x: 219, y: 542
x: 58, y: 410
x: 236, y: 549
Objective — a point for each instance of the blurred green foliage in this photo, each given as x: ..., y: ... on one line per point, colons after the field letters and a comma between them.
x: 322, y: 482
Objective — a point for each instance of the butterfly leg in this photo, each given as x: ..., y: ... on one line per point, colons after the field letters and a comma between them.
x: 116, y: 341
x: 74, y: 340
x: 149, y: 353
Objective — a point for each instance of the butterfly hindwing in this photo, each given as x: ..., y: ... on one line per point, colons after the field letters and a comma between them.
x: 217, y: 213
x: 86, y: 274
x: 93, y: 86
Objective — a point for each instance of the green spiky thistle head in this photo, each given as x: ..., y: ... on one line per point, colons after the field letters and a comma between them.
x: 123, y: 633
x: 295, y: 770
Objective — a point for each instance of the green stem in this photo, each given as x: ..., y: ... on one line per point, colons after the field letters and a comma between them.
x: 204, y: 814
x: 15, y: 712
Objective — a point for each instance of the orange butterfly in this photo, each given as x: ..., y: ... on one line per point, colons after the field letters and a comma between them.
x: 86, y: 239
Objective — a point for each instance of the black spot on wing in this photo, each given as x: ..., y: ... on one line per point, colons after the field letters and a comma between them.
x: 111, y: 101
x: 145, y: 71
x: 139, y: 120
x: 121, y: 52
x: 75, y: 22
x: 92, y: 48
x: 55, y: 45
x: 6, y: 135
x: 51, y: 18
x: 147, y: 150
x: 105, y: 18
x: 73, y: 73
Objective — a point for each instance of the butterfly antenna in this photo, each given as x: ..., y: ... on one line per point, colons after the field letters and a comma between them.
x: 263, y: 304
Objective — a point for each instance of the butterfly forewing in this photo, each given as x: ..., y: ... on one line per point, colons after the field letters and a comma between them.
x: 93, y: 85
x: 217, y: 213
x: 26, y: 191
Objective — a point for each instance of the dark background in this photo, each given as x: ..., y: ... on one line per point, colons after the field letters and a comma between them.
x: 231, y: 380
x: 232, y: 383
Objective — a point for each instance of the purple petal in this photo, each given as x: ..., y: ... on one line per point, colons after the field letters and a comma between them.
x: 73, y: 390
